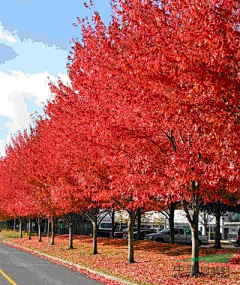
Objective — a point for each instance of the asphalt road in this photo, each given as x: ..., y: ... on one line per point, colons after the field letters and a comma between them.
x: 21, y: 268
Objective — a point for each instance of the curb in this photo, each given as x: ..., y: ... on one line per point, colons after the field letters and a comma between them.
x: 94, y: 274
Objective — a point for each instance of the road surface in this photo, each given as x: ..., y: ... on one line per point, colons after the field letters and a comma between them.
x: 21, y: 268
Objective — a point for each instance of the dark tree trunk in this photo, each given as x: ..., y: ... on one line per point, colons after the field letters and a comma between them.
x: 193, y: 221
x: 217, y: 232
x: 20, y: 228
x: 113, y: 224
x: 75, y: 226
x: 195, y: 241
x: 30, y: 228
x: 52, y: 231
x: 205, y: 222
x: 39, y: 230
x: 70, y: 226
x: 14, y: 224
x: 139, y: 217
x: 95, y: 233
x: 171, y: 221
x: 48, y: 228
x: 130, y: 237
x: 205, y: 229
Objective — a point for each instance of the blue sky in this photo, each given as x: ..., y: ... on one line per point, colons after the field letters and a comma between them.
x: 35, y: 38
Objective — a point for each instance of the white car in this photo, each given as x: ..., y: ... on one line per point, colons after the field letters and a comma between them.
x: 181, y: 235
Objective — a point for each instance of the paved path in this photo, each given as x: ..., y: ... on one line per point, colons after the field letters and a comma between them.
x: 22, y: 268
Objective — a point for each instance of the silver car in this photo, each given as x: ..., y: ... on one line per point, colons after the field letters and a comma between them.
x: 181, y: 235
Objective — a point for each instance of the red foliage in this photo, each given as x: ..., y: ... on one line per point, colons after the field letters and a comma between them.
x: 152, y: 109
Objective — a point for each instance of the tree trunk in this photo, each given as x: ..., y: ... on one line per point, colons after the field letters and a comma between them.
x: 39, y: 230
x: 14, y: 224
x: 217, y: 232
x: 139, y: 217
x: 205, y: 229
x: 52, y: 231
x: 171, y: 221
x: 205, y: 222
x: 193, y: 221
x: 75, y: 226
x: 20, y: 228
x: 113, y: 224
x: 48, y: 228
x: 30, y: 228
x: 95, y: 230
x: 70, y: 225
x: 195, y: 242
x: 130, y: 237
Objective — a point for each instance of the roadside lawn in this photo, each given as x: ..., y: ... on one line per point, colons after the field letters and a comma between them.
x: 156, y: 263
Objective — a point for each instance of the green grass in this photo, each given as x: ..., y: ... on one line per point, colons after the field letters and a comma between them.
x: 13, y: 234
x: 9, y: 234
x: 214, y: 258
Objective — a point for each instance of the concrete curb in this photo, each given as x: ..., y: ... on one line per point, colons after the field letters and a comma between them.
x: 69, y: 264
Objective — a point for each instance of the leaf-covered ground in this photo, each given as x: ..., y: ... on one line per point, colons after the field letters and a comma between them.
x: 156, y: 263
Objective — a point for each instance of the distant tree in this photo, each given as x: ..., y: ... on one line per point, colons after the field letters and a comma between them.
x: 205, y: 219
x: 218, y: 209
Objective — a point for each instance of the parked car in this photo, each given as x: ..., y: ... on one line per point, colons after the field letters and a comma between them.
x: 119, y: 234
x: 122, y: 233
x: 181, y: 235
x: 143, y: 233
x: 236, y: 240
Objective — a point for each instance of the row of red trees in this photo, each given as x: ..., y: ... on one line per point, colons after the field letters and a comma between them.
x: 151, y: 117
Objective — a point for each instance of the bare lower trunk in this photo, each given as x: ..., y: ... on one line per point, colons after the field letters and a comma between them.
x: 171, y: 222
x: 75, y: 226
x: 217, y: 233
x: 30, y: 228
x: 113, y: 223
x: 20, y: 228
x: 139, y: 217
x: 48, y: 228
x: 70, y: 236
x: 95, y: 230
x: 195, y: 244
x: 14, y: 224
x: 204, y: 217
x: 193, y: 221
x: 52, y: 231
x: 205, y: 229
x: 130, y: 237
x: 39, y: 230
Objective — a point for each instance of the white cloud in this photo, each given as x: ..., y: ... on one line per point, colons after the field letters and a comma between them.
x: 33, y: 57
x: 2, y: 146
x: 25, y: 77
x: 6, y: 35
x: 14, y: 88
